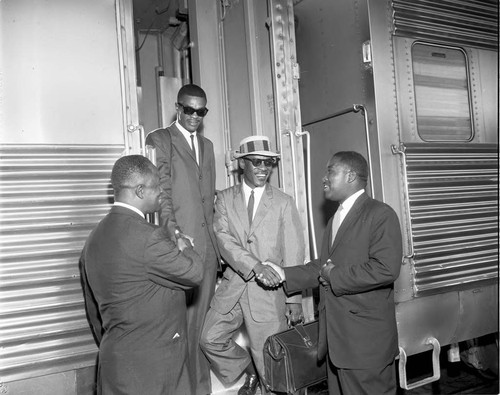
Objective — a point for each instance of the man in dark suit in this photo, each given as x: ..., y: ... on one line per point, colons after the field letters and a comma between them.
x: 356, y: 271
x: 254, y: 223
x: 187, y: 175
x: 134, y: 277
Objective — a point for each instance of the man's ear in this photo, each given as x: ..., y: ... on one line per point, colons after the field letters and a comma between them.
x: 351, y: 176
x: 241, y: 163
x: 139, y: 191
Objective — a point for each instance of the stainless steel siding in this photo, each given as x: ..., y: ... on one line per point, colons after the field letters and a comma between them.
x: 471, y: 23
x: 51, y: 197
x: 453, y: 199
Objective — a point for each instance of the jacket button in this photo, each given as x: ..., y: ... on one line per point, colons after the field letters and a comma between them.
x: 203, y: 225
x: 200, y: 177
x: 203, y: 200
x: 249, y: 241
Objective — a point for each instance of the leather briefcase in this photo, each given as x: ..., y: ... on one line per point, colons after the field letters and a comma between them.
x: 291, y: 359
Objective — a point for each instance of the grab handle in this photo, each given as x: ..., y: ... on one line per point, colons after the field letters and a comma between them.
x: 403, y: 382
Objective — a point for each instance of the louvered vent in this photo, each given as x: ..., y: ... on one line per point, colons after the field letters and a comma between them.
x: 472, y: 23
x: 50, y: 199
x: 453, y: 198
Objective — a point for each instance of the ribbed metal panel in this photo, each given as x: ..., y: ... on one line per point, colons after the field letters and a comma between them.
x: 51, y: 197
x: 453, y: 199
x: 472, y: 23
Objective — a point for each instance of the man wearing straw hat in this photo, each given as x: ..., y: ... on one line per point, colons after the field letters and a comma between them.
x: 254, y: 223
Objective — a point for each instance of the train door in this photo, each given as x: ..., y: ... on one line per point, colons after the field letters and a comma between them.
x: 67, y: 112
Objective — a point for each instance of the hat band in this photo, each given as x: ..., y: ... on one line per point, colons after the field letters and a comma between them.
x: 252, y: 146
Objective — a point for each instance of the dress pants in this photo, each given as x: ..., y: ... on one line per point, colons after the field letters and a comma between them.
x: 198, y: 302
x: 227, y: 358
x: 380, y: 381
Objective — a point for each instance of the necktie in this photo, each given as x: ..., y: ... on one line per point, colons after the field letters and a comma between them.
x: 336, y: 222
x: 251, y: 202
x: 192, y: 146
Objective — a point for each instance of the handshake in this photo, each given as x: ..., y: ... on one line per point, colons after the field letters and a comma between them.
x: 269, y: 274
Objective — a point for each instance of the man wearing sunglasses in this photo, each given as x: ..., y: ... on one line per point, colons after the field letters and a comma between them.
x: 186, y: 163
x: 254, y: 223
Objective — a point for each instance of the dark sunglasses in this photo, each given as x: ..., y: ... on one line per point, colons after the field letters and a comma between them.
x: 201, y: 112
x: 257, y: 162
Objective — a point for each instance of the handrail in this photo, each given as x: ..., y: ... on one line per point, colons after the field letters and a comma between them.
x: 401, y: 150
x: 354, y: 108
x: 308, y: 190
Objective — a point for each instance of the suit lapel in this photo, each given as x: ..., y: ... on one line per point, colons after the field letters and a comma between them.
x: 240, y: 206
x: 353, y: 213
x: 263, y: 207
x: 180, y: 141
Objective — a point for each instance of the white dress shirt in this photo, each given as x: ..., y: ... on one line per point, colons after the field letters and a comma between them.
x: 257, y: 194
x: 187, y: 136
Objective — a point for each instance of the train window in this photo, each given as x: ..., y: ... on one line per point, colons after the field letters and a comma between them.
x: 442, y: 100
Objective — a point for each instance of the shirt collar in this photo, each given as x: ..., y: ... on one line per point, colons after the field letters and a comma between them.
x: 258, y: 191
x: 121, y: 204
x: 349, y: 202
x: 184, y: 132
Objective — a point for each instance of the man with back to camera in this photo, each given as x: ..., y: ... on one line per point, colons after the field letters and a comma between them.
x: 134, y: 276
x: 254, y: 223
x: 360, y: 260
x: 186, y: 163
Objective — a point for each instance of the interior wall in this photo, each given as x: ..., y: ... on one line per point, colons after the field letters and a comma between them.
x: 332, y: 78
x: 157, y: 54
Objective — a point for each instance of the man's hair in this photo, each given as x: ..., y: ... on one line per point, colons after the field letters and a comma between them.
x: 355, y: 162
x: 129, y: 170
x: 190, y: 90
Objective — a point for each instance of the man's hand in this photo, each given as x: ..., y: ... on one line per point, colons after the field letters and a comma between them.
x: 324, y: 273
x: 294, y: 314
x: 278, y: 269
x: 183, y: 242
x: 266, y: 275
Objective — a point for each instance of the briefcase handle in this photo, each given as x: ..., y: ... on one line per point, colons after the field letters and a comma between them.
x: 303, y: 334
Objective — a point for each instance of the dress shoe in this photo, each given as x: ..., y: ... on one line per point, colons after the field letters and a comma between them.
x: 250, y: 386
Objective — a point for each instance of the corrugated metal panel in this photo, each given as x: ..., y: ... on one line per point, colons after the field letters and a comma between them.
x: 453, y: 198
x: 51, y: 197
x: 472, y: 23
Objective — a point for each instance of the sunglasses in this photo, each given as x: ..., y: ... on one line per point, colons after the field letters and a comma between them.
x: 257, y: 162
x: 201, y: 112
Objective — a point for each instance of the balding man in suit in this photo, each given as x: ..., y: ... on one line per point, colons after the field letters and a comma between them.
x: 135, y: 276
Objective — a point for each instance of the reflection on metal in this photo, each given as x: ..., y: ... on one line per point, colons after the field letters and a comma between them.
x: 51, y: 198
x: 355, y: 108
x: 288, y: 117
x: 472, y: 23
x: 453, y: 207
x: 436, y: 370
x: 126, y: 50
x: 401, y: 151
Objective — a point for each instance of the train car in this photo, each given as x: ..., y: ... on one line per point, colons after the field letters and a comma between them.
x: 411, y: 84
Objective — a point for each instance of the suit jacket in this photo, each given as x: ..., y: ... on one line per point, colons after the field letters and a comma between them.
x: 134, y: 281
x: 189, y: 187
x: 357, y: 312
x: 276, y: 235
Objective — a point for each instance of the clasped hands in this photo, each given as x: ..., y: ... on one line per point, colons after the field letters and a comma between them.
x: 269, y: 274
x: 324, y: 273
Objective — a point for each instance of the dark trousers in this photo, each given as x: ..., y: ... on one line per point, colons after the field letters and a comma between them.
x: 379, y: 381
x: 198, y: 302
